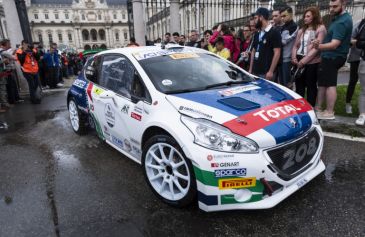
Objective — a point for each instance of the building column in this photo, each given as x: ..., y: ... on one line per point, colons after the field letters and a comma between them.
x: 77, y: 37
x: 11, y: 16
x: 174, y: 16
x: 139, y: 29
x: 358, y: 10
x: 111, y: 37
x: 107, y: 37
x: 264, y: 3
x: 292, y: 4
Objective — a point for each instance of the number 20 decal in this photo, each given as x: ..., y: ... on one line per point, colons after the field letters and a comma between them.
x: 297, y: 156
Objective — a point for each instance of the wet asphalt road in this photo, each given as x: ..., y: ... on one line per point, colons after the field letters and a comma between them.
x: 56, y: 183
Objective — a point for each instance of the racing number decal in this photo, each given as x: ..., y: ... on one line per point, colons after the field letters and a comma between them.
x: 291, y: 156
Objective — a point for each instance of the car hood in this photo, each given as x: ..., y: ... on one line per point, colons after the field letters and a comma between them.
x: 258, y: 110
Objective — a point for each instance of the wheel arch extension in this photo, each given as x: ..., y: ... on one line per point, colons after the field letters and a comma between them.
x: 152, y: 131
x: 69, y: 96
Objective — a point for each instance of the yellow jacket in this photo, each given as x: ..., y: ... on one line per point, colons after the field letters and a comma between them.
x: 224, y: 53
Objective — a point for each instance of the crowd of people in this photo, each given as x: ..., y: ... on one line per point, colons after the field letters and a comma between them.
x: 305, y: 58
x: 42, y: 69
x: 271, y: 45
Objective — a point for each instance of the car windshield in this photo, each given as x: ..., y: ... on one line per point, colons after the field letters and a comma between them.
x: 186, y: 72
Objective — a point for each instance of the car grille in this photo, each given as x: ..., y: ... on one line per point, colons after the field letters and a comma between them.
x: 292, y: 159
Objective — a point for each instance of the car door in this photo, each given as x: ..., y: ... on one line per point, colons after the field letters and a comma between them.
x: 119, y: 104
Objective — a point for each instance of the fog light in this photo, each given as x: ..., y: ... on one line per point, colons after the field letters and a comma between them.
x: 243, y: 195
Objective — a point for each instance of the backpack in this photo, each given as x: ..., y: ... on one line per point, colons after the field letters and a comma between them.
x: 360, y: 36
x: 2, y: 64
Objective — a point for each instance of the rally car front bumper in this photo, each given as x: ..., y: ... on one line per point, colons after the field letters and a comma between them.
x: 227, y: 181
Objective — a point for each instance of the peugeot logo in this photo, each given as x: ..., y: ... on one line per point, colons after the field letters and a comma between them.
x: 239, y: 120
x: 292, y: 122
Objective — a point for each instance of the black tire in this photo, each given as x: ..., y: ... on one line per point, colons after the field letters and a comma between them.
x: 81, y: 122
x: 191, y: 193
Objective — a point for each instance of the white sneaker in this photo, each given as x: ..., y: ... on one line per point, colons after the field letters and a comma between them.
x: 361, y: 120
x: 325, y: 115
x: 348, y: 108
x: 60, y: 84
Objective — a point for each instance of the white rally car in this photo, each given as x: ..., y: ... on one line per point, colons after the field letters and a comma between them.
x: 200, y: 126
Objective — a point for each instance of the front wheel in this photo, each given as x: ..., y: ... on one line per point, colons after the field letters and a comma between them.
x: 78, y: 121
x: 168, y: 172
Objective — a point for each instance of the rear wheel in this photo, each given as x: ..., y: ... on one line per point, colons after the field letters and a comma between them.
x: 168, y: 172
x: 78, y: 120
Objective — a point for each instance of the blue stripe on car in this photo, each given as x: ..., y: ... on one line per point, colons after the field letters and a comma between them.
x: 209, y: 200
x: 267, y: 95
x: 79, y: 94
x: 284, y: 131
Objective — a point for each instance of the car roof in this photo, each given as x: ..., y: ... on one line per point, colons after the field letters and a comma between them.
x: 152, y: 49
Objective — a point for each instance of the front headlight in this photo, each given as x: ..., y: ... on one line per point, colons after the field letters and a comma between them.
x: 216, y: 137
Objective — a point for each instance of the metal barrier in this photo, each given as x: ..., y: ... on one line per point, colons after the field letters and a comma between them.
x: 204, y: 14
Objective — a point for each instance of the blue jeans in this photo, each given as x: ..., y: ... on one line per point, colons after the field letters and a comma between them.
x: 284, y: 73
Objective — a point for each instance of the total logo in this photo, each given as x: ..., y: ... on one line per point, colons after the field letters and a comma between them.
x: 224, y: 164
x: 230, y: 173
x: 277, y: 112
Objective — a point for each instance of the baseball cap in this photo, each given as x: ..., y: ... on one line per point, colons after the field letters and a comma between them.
x: 261, y: 11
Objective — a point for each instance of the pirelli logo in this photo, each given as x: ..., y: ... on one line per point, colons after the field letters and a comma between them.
x: 237, y: 183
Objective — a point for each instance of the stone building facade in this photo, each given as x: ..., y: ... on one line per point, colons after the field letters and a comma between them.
x: 79, y: 24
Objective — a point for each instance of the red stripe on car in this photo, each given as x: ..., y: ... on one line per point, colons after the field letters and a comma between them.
x: 265, y: 116
x: 89, y: 89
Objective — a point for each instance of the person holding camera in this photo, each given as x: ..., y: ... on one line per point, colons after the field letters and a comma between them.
x: 306, y: 58
x: 28, y: 59
x: 245, y: 48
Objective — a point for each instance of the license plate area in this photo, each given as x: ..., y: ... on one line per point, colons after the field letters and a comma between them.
x: 291, y: 158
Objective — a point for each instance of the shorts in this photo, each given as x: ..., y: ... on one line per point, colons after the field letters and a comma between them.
x: 328, y: 70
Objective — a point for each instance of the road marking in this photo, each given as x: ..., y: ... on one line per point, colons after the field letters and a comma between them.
x: 344, y: 137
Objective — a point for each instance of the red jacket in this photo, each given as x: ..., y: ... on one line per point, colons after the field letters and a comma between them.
x: 229, y: 43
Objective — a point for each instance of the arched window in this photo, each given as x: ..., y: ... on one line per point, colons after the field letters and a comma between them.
x: 154, y: 32
x: 85, y: 35
x: 40, y: 37
x: 158, y: 30
x: 94, y: 35
x: 50, y: 37
x: 117, y: 35
x: 102, y: 34
x: 125, y: 34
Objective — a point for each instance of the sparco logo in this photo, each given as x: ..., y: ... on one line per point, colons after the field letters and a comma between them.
x: 225, y: 164
x: 191, y: 110
x: 230, y: 173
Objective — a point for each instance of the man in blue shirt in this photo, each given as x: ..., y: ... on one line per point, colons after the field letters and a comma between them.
x: 334, y: 51
x: 52, y: 62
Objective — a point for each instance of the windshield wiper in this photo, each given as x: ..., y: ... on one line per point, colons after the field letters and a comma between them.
x: 185, y: 90
x: 227, y: 83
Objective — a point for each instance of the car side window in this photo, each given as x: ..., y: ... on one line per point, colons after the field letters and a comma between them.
x: 117, y: 74
x: 92, y: 69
